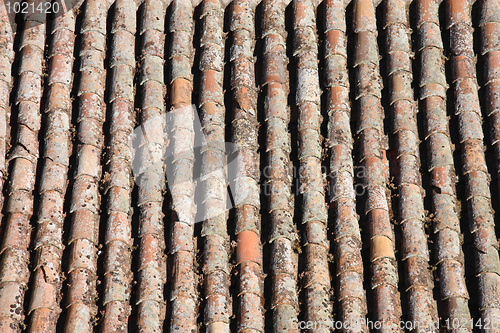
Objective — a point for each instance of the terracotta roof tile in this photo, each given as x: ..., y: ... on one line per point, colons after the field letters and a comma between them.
x: 133, y: 101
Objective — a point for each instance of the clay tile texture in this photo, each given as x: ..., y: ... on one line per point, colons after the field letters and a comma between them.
x: 249, y: 166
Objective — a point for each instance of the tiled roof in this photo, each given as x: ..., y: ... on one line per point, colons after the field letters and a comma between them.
x: 249, y: 166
